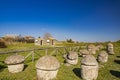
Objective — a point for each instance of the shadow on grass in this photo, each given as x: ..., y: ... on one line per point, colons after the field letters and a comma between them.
x: 115, y: 73
x: 77, y: 72
x: 117, y: 61
x: 25, y: 66
x: 104, y: 49
x: 118, y: 56
x: 2, y: 66
x: 65, y: 61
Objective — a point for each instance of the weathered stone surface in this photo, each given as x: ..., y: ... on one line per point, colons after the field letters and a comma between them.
x: 73, y: 62
x: 14, y: 59
x: 103, y: 57
x: 89, y: 60
x: 89, y: 73
x: 89, y: 68
x: 110, y: 48
x: 72, y: 58
x: 72, y: 55
x: 47, y: 67
x: 16, y: 68
x: 48, y: 63
x: 110, y: 45
x: 99, y: 47
x: 15, y: 63
x: 91, y: 48
x: 46, y: 75
x: 84, y: 52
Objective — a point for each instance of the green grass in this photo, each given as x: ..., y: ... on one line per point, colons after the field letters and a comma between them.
x: 109, y: 71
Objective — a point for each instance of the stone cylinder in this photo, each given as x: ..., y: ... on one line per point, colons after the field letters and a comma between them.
x: 15, y: 63
x: 72, y: 58
x: 91, y: 48
x: 89, y: 68
x: 102, y: 57
x: 47, y: 68
x: 110, y: 48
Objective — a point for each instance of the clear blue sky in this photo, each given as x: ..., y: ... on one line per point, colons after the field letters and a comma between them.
x: 81, y: 20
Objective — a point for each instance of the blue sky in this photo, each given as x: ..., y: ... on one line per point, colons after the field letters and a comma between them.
x: 81, y: 20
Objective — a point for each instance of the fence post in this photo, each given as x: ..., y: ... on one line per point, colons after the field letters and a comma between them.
x: 64, y: 50
x: 70, y: 48
x: 56, y: 51
x: 32, y: 56
x: 46, y: 51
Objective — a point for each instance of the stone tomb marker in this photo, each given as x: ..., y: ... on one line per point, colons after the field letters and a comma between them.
x: 91, y: 48
x: 84, y: 52
x: 110, y: 48
x: 72, y: 58
x: 89, y: 68
x: 99, y: 47
x: 47, y: 68
x: 15, y: 63
x: 103, y: 57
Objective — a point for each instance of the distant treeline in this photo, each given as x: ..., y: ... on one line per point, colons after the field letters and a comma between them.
x: 8, y: 40
x: 28, y: 39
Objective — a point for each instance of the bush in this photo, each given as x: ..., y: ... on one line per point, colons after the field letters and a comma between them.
x: 70, y: 41
x: 2, y: 44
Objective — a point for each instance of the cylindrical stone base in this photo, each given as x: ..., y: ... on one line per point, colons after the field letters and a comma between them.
x: 74, y: 62
x: 89, y: 72
x: 111, y: 51
x: 16, y: 68
x: 46, y: 75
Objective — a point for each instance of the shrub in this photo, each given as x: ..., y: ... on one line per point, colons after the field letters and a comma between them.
x: 2, y: 44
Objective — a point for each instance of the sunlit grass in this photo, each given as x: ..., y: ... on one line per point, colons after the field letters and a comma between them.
x: 109, y: 71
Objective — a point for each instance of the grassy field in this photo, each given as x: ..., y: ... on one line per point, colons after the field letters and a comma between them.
x: 108, y: 71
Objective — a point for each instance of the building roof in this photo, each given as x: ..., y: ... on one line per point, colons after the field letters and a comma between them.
x: 39, y: 39
x: 51, y: 38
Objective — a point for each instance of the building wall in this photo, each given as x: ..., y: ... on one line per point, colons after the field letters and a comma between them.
x: 49, y: 42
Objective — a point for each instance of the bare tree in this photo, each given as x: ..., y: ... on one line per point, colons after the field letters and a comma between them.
x: 47, y: 36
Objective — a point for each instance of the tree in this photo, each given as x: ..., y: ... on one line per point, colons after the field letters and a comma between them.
x: 47, y: 36
x: 118, y: 41
x: 2, y: 43
x: 70, y: 40
x: 39, y: 37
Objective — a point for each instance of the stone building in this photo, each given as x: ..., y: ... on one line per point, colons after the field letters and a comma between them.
x: 49, y: 41
x: 39, y: 41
